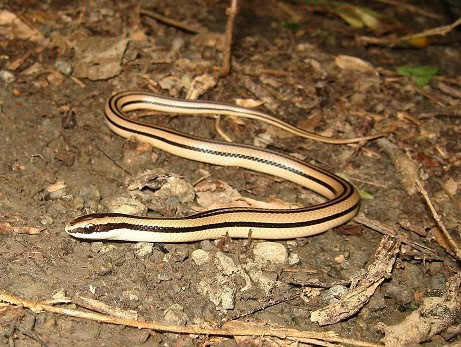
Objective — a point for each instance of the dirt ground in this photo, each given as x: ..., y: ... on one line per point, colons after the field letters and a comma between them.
x: 61, y: 60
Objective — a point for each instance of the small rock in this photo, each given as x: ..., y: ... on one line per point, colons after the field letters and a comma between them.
x: 90, y: 195
x: 340, y: 258
x: 127, y: 206
x: 96, y: 246
x: 207, y: 245
x: 293, y: 259
x: 377, y: 301
x: 334, y: 293
x: 271, y: 251
x: 63, y: 67
x: 46, y: 220
x: 143, y: 249
x: 131, y: 295
x: 177, y: 44
x: 103, y: 266
x: 178, y: 255
x: 358, y: 99
x: 219, y: 290
x: 265, y: 280
x: 227, y: 264
x: 200, y: 257
x: 7, y: 76
x: 228, y: 298
x: 55, y: 191
x: 175, y: 315
x: 59, y: 294
x: 292, y: 243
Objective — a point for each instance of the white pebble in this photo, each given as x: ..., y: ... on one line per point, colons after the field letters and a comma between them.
x: 7, y: 76
x: 143, y: 249
x: 200, y: 256
x: 271, y: 251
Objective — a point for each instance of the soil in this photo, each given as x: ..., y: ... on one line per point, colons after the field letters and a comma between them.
x: 58, y: 159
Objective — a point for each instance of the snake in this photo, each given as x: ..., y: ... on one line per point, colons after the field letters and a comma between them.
x: 342, y: 197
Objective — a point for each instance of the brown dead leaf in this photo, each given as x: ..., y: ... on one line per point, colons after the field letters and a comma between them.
x: 12, y: 27
x: 249, y: 103
x: 8, y: 228
x: 345, y: 62
x: 99, y: 58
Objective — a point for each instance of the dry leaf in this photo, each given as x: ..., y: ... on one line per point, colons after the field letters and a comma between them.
x: 12, y: 28
x: 346, y: 62
x: 249, y: 103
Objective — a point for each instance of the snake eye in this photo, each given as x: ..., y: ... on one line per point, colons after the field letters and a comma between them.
x: 89, y: 228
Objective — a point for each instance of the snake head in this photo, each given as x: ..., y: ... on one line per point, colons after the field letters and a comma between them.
x: 94, y: 226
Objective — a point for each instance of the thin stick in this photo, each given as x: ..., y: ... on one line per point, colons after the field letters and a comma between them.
x: 451, y: 241
x: 411, y: 8
x: 443, y: 30
x: 243, y: 329
x: 231, y: 12
x: 194, y: 29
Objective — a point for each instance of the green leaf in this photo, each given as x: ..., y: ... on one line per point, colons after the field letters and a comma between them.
x: 420, y: 75
x: 363, y: 194
x: 292, y: 26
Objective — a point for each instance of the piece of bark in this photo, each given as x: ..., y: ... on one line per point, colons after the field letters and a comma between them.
x: 356, y: 298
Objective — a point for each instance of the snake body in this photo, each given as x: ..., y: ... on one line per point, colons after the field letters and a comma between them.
x: 342, y: 205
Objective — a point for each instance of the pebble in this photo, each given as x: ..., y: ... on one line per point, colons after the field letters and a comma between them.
x: 227, y: 264
x: 59, y: 294
x: 103, y: 266
x: 265, y: 280
x: 175, y: 315
x: 55, y: 191
x: 7, y: 76
x: 293, y: 259
x: 334, y: 293
x: 228, y: 298
x: 46, y: 220
x: 90, y: 195
x: 273, y: 252
x: 131, y: 295
x: 358, y: 99
x: 127, y: 206
x: 177, y: 44
x: 207, y: 245
x: 219, y: 290
x: 63, y: 67
x: 143, y: 249
x: 96, y: 246
x: 200, y: 257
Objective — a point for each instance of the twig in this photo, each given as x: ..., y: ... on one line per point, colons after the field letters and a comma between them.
x: 266, y: 305
x: 190, y: 28
x: 387, y: 230
x: 410, y: 8
x: 98, y: 306
x: 451, y: 241
x: 443, y: 30
x: 243, y: 329
x: 231, y: 12
x: 220, y: 130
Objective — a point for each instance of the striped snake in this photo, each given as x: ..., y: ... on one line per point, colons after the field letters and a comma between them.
x: 343, y: 203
